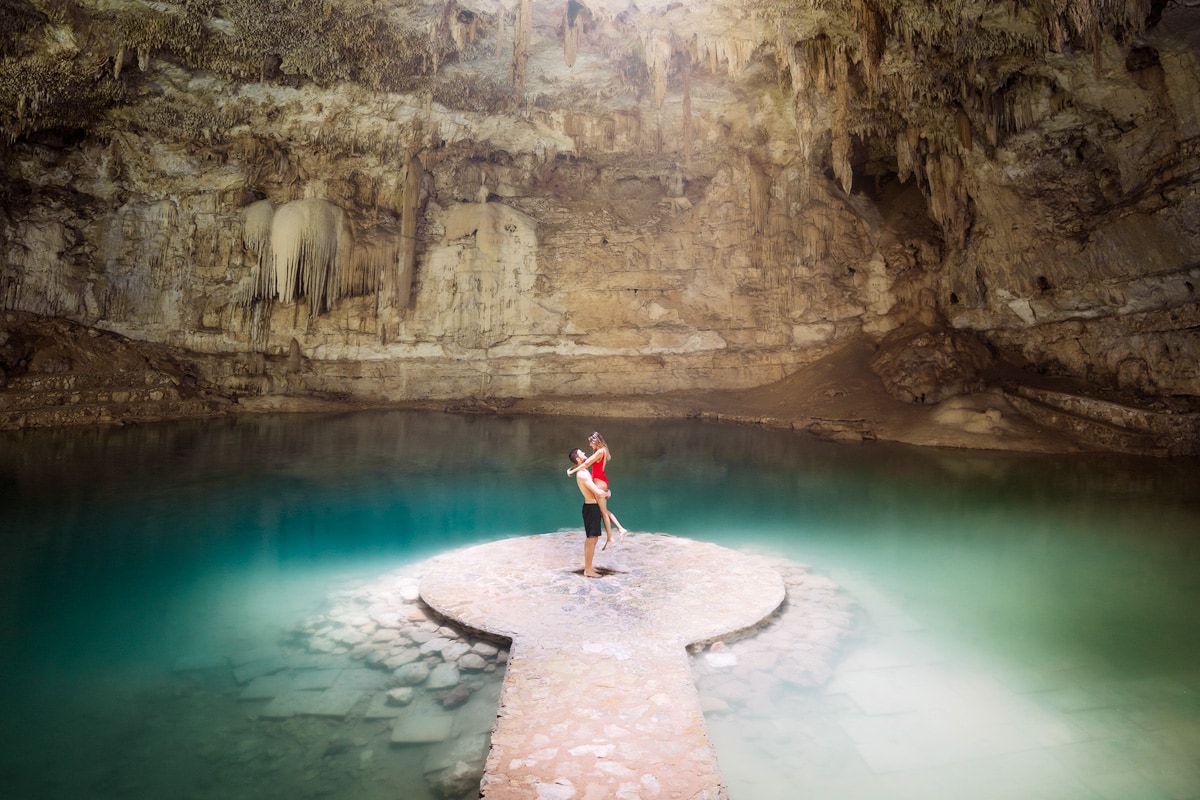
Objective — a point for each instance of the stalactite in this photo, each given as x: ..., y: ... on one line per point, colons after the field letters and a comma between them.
x: 760, y: 196
x: 371, y: 254
x: 816, y: 62
x: 572, y: 27
x: 658, y: 50
x: 839, y: 122
x: 464, y: 27
x: 687, y: 117
x: 948, y: 200
x: 407, y: 250
x: 256, y: 236
x: 713, y: 51
x: 962, y: 124
x: 308, y: 251
x: 872, y: 40
x: 499, y: 27
x: 521, y: 37
x: 905, y: 157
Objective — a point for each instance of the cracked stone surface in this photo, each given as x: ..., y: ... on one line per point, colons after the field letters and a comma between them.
x: 598, y: 698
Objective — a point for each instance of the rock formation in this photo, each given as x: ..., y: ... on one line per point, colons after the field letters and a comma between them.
x: 442, y: 200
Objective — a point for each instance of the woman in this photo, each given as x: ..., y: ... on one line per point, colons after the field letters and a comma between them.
x: 600, y: 457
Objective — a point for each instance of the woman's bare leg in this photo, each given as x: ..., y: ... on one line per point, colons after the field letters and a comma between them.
x: 620, y: 528
x: 604, y: 515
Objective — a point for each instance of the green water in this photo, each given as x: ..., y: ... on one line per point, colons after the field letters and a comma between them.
x: 125, y: 550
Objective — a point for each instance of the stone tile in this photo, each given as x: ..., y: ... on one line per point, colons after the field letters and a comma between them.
x: 317, y: 661
x: 248, y: 671
x: 266, y: 687
x: 369, y: 679
x: 891, y: 651
x: 329, y: 703
x: 891, y: 690
x: 471, y: 749
x: 379, y: 708
x: 904, y: 741
x: 269, y: 686
x: 423, y: 728
x: 309, y: 680
x: 333, y: 702
x: 244, y: 657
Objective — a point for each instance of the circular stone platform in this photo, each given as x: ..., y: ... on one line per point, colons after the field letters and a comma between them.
x: 598, y: 699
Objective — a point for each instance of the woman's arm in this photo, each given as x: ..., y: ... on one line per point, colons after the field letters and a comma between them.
x: 592, y: 459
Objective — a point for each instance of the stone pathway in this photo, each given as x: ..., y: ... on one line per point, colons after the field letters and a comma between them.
x: 598, y: 699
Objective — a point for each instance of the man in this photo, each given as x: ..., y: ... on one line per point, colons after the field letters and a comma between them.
x: 592, y: 522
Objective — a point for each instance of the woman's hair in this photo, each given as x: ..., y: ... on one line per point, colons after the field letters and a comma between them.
x: 596, y: 437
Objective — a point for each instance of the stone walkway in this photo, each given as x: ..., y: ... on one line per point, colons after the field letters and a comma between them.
x: 598, y: 699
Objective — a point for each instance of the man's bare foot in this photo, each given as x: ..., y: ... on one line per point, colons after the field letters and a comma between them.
x: 592, y: 574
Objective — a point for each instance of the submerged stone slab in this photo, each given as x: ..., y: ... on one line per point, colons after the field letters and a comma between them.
x: 329, y: 703
x: 598, y: 694
x: 267, y: 686
x: 422, y: 728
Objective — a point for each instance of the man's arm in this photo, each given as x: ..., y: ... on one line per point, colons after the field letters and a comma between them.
x: 592, y: 486
x: 586, y: 463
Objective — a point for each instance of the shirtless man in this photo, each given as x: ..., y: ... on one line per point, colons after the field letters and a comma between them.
x: 592, y: 524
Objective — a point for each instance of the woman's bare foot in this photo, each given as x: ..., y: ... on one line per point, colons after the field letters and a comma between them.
x: 607, y: 542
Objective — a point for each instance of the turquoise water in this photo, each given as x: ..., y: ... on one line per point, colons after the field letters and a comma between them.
x: 125, y: 550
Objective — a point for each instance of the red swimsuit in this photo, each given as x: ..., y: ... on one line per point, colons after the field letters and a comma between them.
x: 598, y: 470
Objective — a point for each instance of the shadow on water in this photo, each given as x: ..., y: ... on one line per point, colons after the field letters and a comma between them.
x: 125, y: 549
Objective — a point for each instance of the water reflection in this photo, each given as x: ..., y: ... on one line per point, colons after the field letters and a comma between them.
x: 126, y: 549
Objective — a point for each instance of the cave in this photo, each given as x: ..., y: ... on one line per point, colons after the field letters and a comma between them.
x: 894, y: 298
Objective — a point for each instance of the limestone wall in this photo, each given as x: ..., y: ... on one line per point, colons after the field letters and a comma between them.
x: 685, y: 199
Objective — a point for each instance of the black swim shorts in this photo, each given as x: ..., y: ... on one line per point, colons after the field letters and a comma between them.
x: 592, y: 524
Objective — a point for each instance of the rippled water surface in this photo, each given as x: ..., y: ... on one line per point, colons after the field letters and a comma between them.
x: 126, y: 550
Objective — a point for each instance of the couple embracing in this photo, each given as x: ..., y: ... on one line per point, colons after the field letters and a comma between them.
x: 594, y: 487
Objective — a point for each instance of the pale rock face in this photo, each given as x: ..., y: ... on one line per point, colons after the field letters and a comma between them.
x: 490, y: 200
